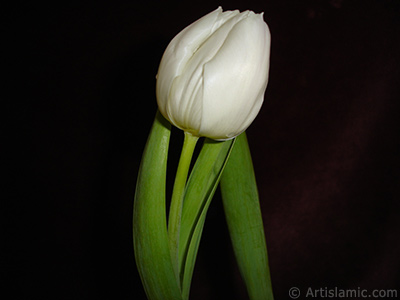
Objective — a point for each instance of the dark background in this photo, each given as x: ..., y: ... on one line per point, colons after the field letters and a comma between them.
x: 325, y: 146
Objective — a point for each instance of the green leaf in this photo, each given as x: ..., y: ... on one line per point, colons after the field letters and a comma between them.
x: 243, y: 215
x: 200, y: 189
x: 150, y: 235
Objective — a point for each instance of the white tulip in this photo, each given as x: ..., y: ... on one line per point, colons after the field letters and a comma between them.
x: 213, y: 75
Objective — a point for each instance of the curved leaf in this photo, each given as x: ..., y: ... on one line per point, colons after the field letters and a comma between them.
x: 150, y: 235
x: 243, y: 215
x: 200, y: 189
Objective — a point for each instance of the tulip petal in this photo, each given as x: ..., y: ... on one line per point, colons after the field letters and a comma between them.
x: 179, y: 51
x: 185, y: 102
x: 235, y: 78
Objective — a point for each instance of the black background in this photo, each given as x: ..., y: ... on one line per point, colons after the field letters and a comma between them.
x: 325, y: 146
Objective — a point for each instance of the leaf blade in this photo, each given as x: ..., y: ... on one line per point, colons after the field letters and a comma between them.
x: 150, y: 235
x: 243, y: 215
x: 201, y: 187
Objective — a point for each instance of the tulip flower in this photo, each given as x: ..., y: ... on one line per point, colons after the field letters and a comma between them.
x: 210, y: 83
x: 213, y: 74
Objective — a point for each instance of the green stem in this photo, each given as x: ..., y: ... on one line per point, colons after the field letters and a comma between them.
x: 175, y: 212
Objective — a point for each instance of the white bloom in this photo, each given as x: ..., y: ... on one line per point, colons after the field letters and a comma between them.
x: 213, y: 74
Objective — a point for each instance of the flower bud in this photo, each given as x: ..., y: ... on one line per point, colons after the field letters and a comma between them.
x: 213, y: 75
